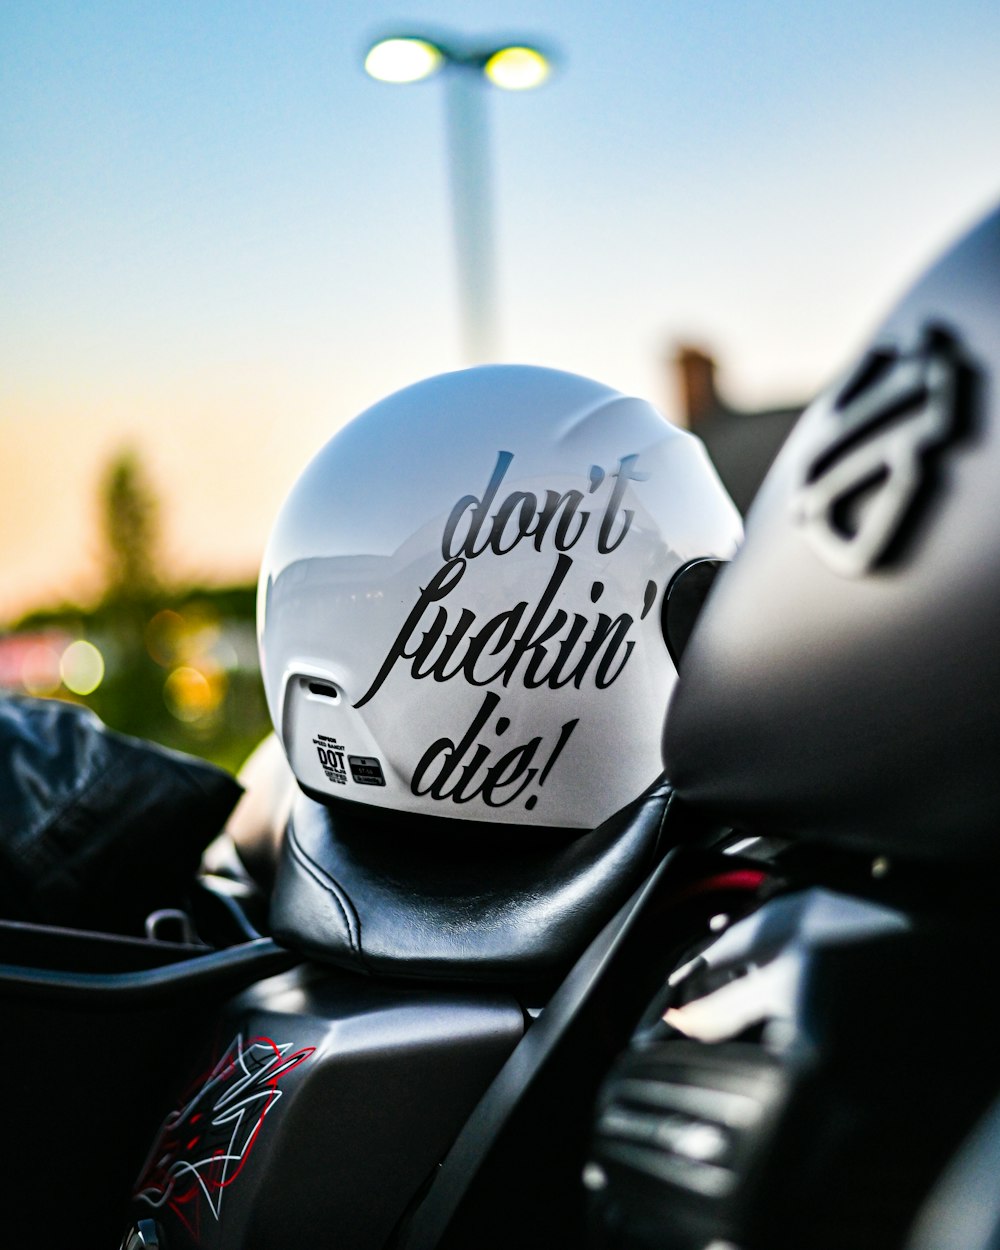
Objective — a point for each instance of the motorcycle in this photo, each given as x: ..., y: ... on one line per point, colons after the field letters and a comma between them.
x: 749, y: 1011
x: 230, y: 1091
x: 310, y: 1055
x: 806, y: 1076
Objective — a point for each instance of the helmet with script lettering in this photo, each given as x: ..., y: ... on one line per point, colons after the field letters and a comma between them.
x: 460, y: 605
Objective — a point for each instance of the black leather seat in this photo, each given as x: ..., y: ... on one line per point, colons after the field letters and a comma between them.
x: 407, y: 896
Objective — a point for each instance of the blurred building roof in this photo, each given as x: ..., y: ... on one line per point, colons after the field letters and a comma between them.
x: 742, y: 443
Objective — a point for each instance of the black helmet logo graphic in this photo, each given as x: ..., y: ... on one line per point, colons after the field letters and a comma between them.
x: 884, y: 428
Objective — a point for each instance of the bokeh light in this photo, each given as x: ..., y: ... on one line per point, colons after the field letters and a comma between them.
x: 403, y: 60
x: 40, y: 673
x: 193, y: 694
x: 81, y: 667
x: 165, y: 637
x: 517, y: 68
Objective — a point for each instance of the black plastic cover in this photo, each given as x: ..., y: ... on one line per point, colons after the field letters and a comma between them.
x: 798, y: 1084
x: 843, y: 681
x: 963, y: 1212
x: 460, y: 900
x: 98, y: 829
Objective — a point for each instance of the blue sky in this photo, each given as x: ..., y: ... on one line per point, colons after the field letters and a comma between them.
x: 219, y: 240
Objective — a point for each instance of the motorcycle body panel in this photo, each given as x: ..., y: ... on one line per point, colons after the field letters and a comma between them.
x: 843, y: 683
x: 320, y: 1108
x: 801, y: 1081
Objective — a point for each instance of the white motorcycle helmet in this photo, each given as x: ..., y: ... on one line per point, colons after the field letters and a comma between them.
x: 459, y: 610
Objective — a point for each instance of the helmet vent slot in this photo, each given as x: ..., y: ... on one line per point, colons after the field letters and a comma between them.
x: 324, y: 690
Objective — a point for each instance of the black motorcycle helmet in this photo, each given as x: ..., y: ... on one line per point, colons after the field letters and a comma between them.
x: 843, y: 682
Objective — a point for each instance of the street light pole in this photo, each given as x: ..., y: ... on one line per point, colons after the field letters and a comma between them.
x: 472, y: 212
x: 410, y: 58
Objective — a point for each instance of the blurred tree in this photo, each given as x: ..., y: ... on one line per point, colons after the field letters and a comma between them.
x: 180, y: 662
x: 130, y: 518
x: 130, y: 698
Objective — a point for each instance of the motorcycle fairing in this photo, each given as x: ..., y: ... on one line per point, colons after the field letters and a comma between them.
x: 843, y: 683
x: 799, y: 1083
x: 323, y: 1108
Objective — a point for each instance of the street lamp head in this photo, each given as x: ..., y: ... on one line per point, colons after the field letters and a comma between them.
x: 411, y: 58
x: 517, y: 68
x: 404, y: 58
x: 471, y: 66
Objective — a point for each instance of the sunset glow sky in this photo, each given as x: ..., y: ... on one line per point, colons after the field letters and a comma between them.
x: 219, y: 240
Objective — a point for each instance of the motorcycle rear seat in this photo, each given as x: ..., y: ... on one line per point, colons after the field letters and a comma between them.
x: 398, y: 895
